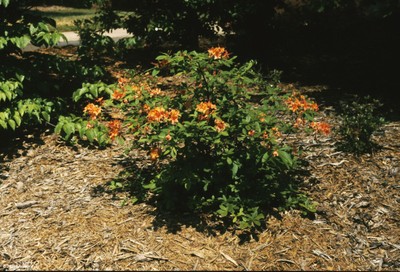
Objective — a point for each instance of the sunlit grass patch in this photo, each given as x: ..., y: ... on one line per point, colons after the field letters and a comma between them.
x: 64, y: 16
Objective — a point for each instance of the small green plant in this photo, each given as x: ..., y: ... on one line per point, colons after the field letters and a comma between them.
x: 213, y: 146
x: 359, y: 120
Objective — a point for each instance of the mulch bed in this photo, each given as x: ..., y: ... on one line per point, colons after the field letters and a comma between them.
x: 55, y: 217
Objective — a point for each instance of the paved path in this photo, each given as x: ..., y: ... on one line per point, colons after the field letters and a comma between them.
x: 73, y: 38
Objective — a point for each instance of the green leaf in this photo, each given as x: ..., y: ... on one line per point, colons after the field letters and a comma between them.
x: 11, y: 123
x: 235, y: 168
x: 173, y: 152
x: 265, y: 157
x: 3, y: 124
x: 286, y: 158
x: 58, y: 128
x: 150, y: 186
x: 69, y: 128
x: 46, y: 116
x: 90, y: 134
x: 17, y: 118
x: 4, y: 2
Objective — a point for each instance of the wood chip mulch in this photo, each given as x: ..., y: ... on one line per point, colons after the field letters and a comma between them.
x: 52, y: 217
x: 51, y: 220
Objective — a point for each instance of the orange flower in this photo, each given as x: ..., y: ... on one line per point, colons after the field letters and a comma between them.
x: 173, y: 116
x: 146, y: 108
x: 117, y: 95
x: 219, y: 125
x: 168, y: 137
x: 155, y: 153
x: 299, y: 103
x: 122, y: 81
x: 89, y: 125
x: 100, y: 100
x: 276, y: 132
x: 275, y: 153
x: 265, y: 135
x: 158, y: 114
x: 218, y: 53
x: 92, y: 110
x: 322, y: 127
x: 115, y: 126
x: 206, y: 108
x: 251, y: 132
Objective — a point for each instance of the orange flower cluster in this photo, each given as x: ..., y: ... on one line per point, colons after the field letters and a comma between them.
x: 276, y: 131
x: 206, y: 108
x: 115, y: 127
x: 155, y: 153
x: 173, y: 116
x: 122, y: 81
x: 92, y: 110
x: 117, y: 94
x: 299, y: 103
x: 159, y: 114
x: 299, y: 122
x: 218, y: 53
x: 219, y: 125
x: 322, y: 127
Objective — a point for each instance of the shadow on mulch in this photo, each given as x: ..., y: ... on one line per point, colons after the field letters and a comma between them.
x: 181, y: 217
x: 14, y: 144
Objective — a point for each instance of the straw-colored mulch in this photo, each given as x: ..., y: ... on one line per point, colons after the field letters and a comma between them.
x: 53, y: 218
x: 54, y: 215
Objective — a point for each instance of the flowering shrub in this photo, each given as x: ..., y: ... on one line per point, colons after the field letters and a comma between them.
x: 213, y: 146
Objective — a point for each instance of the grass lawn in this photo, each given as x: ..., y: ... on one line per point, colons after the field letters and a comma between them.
x: 64, y: 16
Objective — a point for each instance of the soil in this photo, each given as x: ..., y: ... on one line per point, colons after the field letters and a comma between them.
x: 57, y: 214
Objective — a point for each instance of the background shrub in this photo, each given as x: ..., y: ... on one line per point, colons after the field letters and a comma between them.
x: 360, y: 118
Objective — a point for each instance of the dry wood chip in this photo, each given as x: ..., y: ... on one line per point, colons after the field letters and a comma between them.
x: 262, y: 246
x: 333, y: 163
x: 319, y: 253
x: 146, y: 257
x: 198, y: 254
x: 229, y: 258
x: 362, y: 204
x: 26, y: 204
x: 285, y: 261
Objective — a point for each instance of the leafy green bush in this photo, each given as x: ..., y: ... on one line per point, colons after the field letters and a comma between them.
x: 17, y: 30
x: 360, y: 120
x: 214, y: 145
